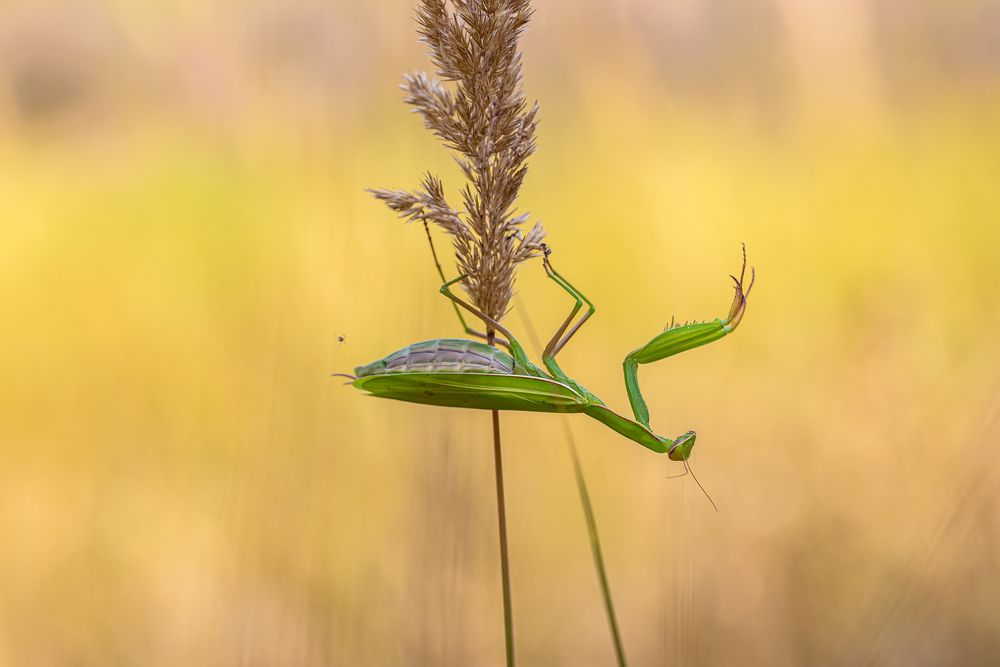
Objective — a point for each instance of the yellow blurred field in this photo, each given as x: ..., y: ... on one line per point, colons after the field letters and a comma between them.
x: 185, y: 234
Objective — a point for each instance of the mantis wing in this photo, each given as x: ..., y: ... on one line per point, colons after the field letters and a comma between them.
x: 482, y: 391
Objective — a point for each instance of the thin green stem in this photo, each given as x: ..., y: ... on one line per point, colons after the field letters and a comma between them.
x: 508, y: 617
x: 588, y: 513
x: 595, y: 546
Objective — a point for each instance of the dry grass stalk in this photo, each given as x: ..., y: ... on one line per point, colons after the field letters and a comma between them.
x: 483, y: 116
x: 480, y: 112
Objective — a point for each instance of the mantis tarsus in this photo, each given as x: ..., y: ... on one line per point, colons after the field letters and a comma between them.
x: 464, y: 373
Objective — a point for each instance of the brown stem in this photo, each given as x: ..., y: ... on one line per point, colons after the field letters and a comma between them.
x: 508, y: 619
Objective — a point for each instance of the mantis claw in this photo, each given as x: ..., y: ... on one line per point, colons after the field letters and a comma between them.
x: 740, y: 300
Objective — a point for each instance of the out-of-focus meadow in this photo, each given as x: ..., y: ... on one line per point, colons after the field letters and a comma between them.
x: 184, y: 236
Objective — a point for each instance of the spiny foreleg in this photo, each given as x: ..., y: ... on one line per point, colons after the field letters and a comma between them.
x: 678, y: 338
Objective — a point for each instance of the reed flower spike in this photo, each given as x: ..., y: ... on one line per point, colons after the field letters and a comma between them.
x: 478, y: 109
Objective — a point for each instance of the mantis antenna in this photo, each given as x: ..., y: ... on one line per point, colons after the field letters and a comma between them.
x: 687, y: 469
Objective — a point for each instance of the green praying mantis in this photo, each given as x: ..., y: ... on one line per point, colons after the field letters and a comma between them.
x: 462, y: 373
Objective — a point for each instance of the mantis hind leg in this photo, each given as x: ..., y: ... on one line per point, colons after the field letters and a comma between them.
x: 679, y: 338
x: 516, y: 351
x: 458, y: 311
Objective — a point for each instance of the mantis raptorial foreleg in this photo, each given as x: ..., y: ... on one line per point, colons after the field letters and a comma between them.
x: 465, y: 327
x: 677, y: 339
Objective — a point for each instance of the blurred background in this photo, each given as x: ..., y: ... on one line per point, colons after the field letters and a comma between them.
x: 185, y: 236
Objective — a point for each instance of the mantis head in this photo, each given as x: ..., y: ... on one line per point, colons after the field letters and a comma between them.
x: 681, y: 448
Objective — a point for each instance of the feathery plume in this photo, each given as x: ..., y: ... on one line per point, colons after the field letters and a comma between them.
x: 478, y: 109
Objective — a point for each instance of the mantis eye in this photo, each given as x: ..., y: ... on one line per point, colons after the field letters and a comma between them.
x: 681, y: 449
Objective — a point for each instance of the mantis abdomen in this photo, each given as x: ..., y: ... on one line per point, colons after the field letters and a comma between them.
x: 442, y: 355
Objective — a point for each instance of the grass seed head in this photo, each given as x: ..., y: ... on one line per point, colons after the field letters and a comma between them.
x: 478, y: 109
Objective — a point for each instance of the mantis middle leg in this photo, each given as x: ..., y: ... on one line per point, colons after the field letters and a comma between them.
x: 678, y: 338
x: 559, y: 340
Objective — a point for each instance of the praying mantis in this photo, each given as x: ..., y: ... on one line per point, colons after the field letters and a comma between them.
x: 462, y: 373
